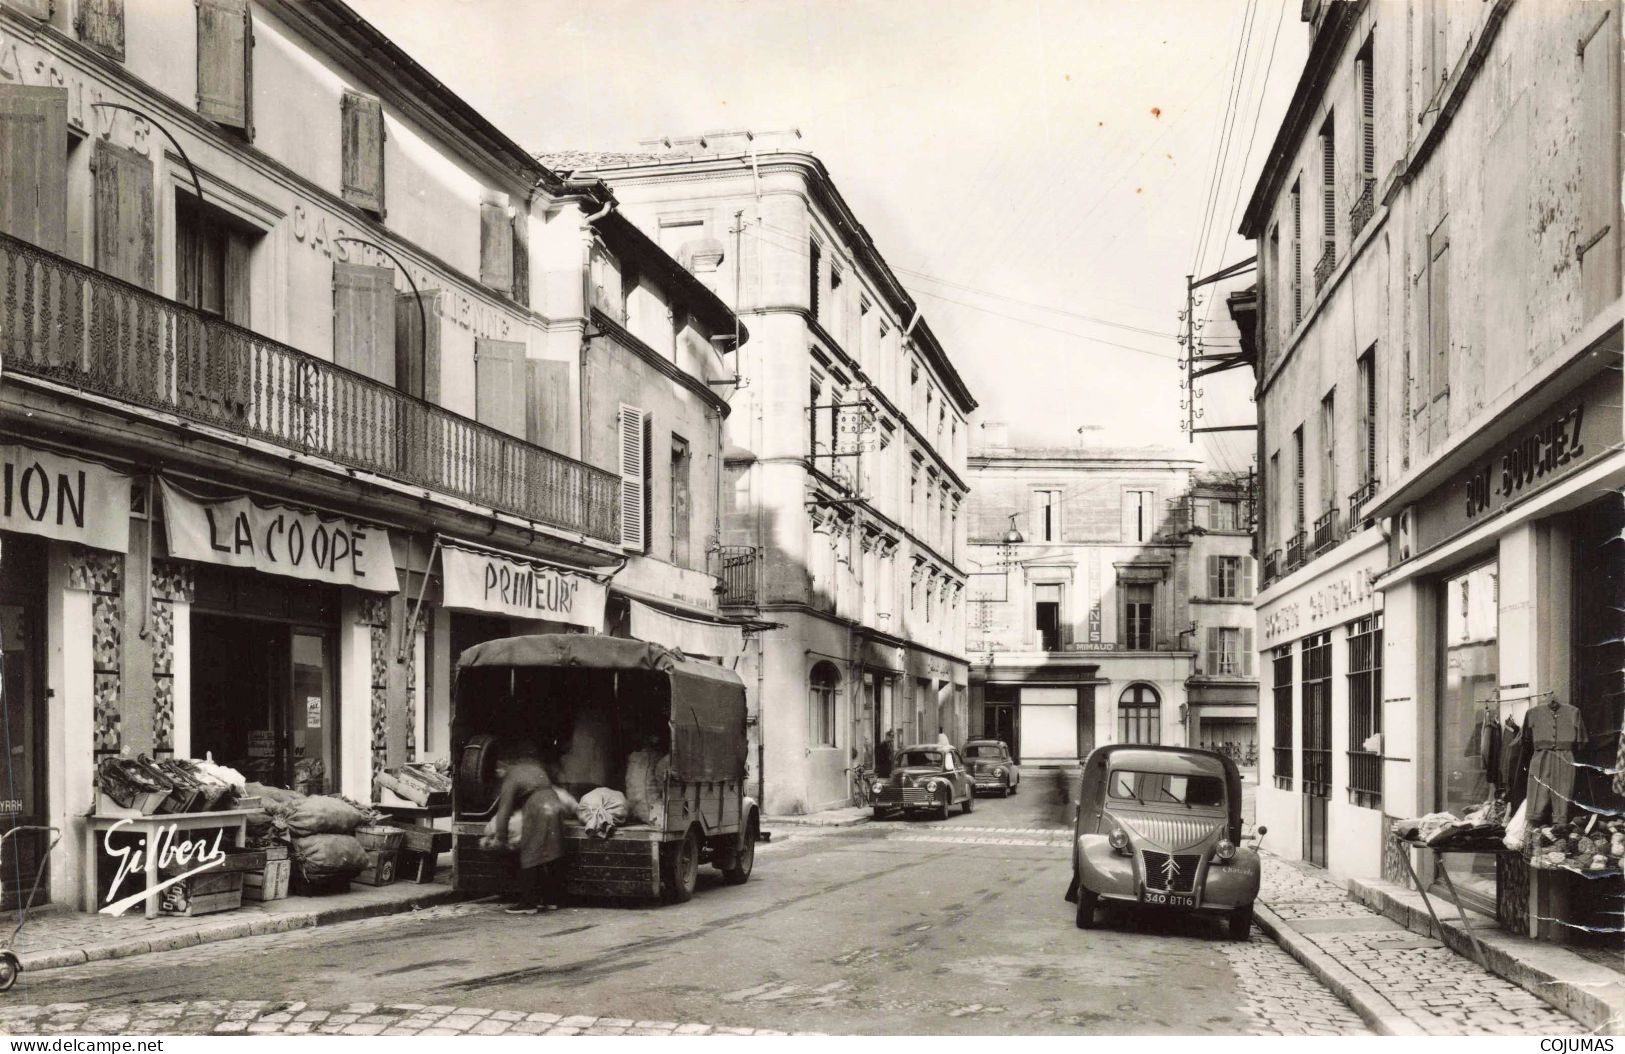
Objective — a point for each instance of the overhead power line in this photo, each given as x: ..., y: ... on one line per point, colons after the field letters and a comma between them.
x: 1161, y: 334
x: 1053, y: 329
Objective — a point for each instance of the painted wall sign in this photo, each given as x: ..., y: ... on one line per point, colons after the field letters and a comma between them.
x: 1331, y: 599
x: 1557, y: 443
x: 520, y: 589
x: 279, y: 540
x: 64, y: 498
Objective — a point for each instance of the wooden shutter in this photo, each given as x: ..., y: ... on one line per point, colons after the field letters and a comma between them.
x: 417, y: 352
x: 1439, y: 315
x: 1215, y: 577
x: 548, y: 416
x: 1368, y: 121
x: 1599, y: 234
x: 225, y: 42
x: 364, y: 320
x: 1246, y: 592
x: 100, y: 24
x: 33, y: 165
x: 238, y: 278
x: 1297, y: 255
x: 124, y: 205
x: 496, y: 248
x: 634, y: 424
x: 521, y: 257
x: 1328, y: 191
x: 499, y: 385
x: 1249, y: 661
x: 362, y: 118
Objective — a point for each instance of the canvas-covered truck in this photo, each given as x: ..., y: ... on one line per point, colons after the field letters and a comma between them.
x: 588, y: 704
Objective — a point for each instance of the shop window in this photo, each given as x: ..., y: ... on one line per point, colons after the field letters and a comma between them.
x: 1139, y: 603
x: 362, y: 120
x: 225, y: 63
x: 1469, y: 678
x: 23, y: 711
x: 34, y: 180
x: 1139, y: 715
x: 823, y: 685
x: 1281, y: 682
x: 1365, y: 711
x: 100, y: 24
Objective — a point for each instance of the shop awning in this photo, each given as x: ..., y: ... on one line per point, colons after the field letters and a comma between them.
x: 707, y: 701
x: 477, y: 579
x: 719, y: 640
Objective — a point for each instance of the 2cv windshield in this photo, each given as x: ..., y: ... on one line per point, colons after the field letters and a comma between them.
x: 1206, y: 792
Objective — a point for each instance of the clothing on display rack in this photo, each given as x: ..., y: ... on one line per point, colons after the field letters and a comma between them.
x: 1555, y: 729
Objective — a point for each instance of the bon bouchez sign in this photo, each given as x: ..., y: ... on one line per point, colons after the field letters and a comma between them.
x: 64, y: 498
x: 518, y: 588
x: 279, y: 540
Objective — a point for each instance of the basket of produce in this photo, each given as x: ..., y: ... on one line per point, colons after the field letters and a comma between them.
x: 380, y: 837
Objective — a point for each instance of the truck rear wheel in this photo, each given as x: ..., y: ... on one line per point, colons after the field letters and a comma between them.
x: 680, y: 868
x: 745, y: 858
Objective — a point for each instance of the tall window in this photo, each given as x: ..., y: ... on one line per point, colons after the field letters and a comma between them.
x: 1296, y: 277
x: 1229, y: 577
x: 815, y: 392
x: 1368, y: 114
x: 1139, y: 602
x: 1365, y: 711
x: 1139, y: 515
x: 1272, y: 522
x: 1047, y: 515
x: 1281, y: 681
x: 1230, y: 651
x: 1368, y: 416
x: 815, y: 255
x: 1047, y: 616
x: 1328, y: 451
x: 1297, y: 471
x: 823, y: 685
x: 1439, y: 312
x: 1139, y: 715
x: 682, y: 512
x: 211, y: 261
x: 1317, y: 715
x: 1328, y: 195
x: 635, y: 509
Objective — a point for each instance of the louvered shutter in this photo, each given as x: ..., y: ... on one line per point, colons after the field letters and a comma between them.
x: 1246, y: 578
x: 1249, y: 664
x: 33, y: 165
x: 1215, y: 577
x: 1328, y: 192
x: 634, y: 425
x: 100, y: 24
x: 225, y: 41
x: 1210, y: 651
x: 496, y: 248
x: 1297, y: 256
x: 1439, y: 319
x: 124, y: 222
x: 362, y: 119
x: 364, y: 320
x: 1368, y: 122
x: 417, y: 353
x: 521, y: 257
x: 500, y: 385
x: 1599, y: 234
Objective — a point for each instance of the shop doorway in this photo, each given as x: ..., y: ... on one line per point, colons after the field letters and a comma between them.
x: 999, y: 722
x: 22, y: 715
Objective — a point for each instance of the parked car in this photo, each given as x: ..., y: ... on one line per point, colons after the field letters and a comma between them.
x: 1160, y: 828
x: 991, y: 767
x: 926, y: 777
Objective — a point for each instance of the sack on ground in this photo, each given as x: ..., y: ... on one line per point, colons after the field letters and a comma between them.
x: 602, y: 811
x: 324, y: 814
x: 324, y: 855
x: 516, y: 827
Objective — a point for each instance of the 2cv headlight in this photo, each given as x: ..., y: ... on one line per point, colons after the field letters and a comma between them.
x: 1118, y: 840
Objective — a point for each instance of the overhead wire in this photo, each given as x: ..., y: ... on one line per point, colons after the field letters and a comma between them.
x: 1238, y: 67
x: 1052, y: 329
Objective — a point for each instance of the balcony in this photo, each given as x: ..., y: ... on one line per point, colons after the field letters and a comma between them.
x: 1294, y: 553
x: 1324, y: 269
x: 1358, y: 500
x: 737, y: 569
x: 1364, y: 207
x: 1272, y: 565
x: 1326, y: 533
x: 76, y: 327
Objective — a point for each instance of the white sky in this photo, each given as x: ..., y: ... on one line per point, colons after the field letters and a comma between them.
x: 1057, y: 153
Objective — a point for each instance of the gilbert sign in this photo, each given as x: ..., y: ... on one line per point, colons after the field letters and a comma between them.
x: 169, y: 847
x: 479, y: 581
x: 279, y: 540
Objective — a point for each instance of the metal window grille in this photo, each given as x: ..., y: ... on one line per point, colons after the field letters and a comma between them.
x: 1317, y: 715
x: 1281, y: 673
x: 1365, y: 710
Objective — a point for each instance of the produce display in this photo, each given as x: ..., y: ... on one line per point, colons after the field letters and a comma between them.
x: 1592, y: 844
x: 172, y: 785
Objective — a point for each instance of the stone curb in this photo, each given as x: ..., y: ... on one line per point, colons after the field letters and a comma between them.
x: 231, y: 929
x: 814, y: 821
x: 1382, y: 1016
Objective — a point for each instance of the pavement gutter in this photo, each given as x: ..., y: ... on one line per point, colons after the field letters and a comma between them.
x: 230, y: 929
x: 1382, y: 1016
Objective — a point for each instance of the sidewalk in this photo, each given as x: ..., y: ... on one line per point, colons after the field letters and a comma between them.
x: 54, y: 939
x: 1400, y: 982
x: 850, y: 816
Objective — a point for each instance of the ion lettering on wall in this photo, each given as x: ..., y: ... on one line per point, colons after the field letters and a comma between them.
x: 279, y: 540
x: 520, y: 589
x: 64, y: 498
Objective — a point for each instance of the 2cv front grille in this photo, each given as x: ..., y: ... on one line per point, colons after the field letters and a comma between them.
x: 1170, y: 874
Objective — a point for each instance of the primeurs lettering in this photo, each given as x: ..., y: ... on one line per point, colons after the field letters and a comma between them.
x: 524, y: 588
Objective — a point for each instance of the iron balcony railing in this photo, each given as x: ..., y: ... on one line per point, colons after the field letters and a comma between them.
x: 1358, y: 500
x: 1272, y: 565
x: 68, y: 324
x: 1294, y: 552
x: 737, y: 567
x: 1364, y: 207
x: 1324, y: 269
x: 1326, y: 531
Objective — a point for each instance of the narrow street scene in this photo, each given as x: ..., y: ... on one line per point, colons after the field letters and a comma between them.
x: 822, y: 518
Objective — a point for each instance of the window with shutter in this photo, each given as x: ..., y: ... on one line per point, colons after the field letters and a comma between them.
x: 1210, y: 651
x: 1249, y: 667
x: 521, y: 258
x: 124, y: 220
x: 1439, y: 312
x: 814, y: 255
x: 500, y: 384
x: 1368, y: 116
x: 225, y: 43
x: 1297, y: 255
x: 100, y: 24
x: 1246, y: 577
x: 1328, y: 190
x: 364, y: 320
x: 634, y: 476
x: 1328, y: 451
x: 33, y: 165
x: 496, y: 248
x: 417, y: 350
x: 362, y: 118
x: 1368, y: 411
x: 1599, y: 235
x: 1215, y: 579
x: 1297, y: 446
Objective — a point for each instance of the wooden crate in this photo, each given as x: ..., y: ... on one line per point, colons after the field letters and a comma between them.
x: 204, y: 894
x: 625, y: 865
x: 415, y: 866
x: 268, y: 884
x: 380, y: 869
x: 478, y: 870
x: 421, y: 838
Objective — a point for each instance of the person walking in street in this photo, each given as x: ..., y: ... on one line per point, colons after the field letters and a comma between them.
x: 883, y: 756
x: 527, y: 789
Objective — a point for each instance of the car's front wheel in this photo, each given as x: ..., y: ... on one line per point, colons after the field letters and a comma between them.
x: 970, y: 801
x: 1087, y: 901
x: 1240, y: 923
x: 945, y: 801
